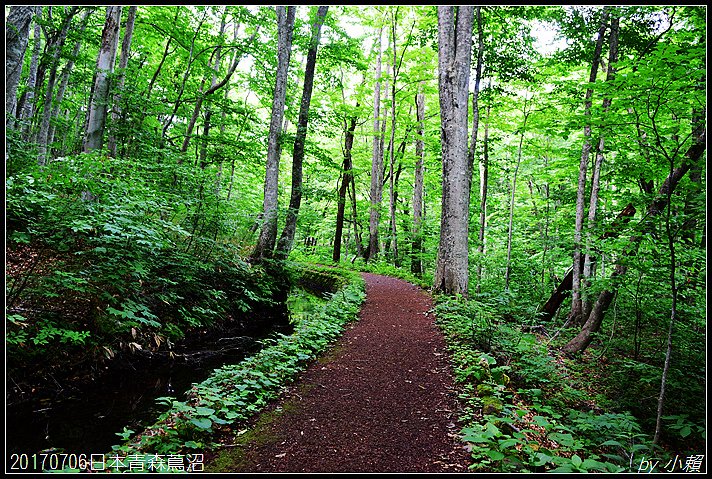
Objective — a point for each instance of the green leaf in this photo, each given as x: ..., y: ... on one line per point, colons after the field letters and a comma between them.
x: 476, y: 437
x: 541, y: 421
x: 611, y: 442
x: 505, y: 443
x: 541, y: 459
x: 576, y: 460
x: 589, y: 464
x: 563, y: 439
x: 495, y: 455
x: 204, y: 411
x: 202, y: 422
x: 492, y: 430
x: 563, y: 469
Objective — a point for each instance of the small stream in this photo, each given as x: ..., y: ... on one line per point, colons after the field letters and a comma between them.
x: 86, y: 421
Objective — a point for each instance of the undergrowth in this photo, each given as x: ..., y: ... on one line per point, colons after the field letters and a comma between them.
x: 234, y: 393
x: 526, y: 410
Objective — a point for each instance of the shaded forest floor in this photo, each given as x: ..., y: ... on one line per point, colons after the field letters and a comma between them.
x: 383, y: 400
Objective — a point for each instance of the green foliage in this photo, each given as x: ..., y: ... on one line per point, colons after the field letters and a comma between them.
x: 134, y: 260
x: 521, y: 413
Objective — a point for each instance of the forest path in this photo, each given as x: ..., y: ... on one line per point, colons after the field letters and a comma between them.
x: 382, y: 400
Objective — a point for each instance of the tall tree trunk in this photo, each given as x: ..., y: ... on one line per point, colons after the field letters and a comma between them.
x: 589, y: 262
x: 392, y: 192
x: 123, y: 63
x: 17, y: 33
x: 355, y: 220
x: 673, y: 315
x: 346, y: 179
x: 593, y: 323
x: 510, y: 229
x: 376, y: 159
x: 215, y: 85
x: 484, y: 173
x: 208, y: 110
x: 166, y: 53
x: 286, y: 240
x: 391, y: 147
x: 416, y: 262
x: 223, y: 118
x: 545, y: 233
x: 28, y: 109
x: 454, y: 53
x: 232, y: 161
x: 64, y: 81
x: 476, y: 95
x: 268, y: 232
x: 104, y: 67
x: 43, y: 136
x: 576, y: 306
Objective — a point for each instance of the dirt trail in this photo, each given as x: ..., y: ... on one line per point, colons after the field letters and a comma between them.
x: 382, y: 402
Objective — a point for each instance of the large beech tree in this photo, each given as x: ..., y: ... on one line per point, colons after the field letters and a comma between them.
x: 454, y: 52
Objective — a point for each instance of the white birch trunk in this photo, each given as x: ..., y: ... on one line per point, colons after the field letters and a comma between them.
x: 417, y: 247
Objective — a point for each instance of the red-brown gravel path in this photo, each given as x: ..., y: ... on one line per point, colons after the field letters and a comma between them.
x: 383, y: 402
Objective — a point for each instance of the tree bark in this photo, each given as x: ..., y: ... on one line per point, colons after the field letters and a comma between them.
x: 104, y: 66
x: 268, y: 232
x: 589, y: 262
x: 17, y: 32
x: 673, y: 316
x: 169, y: 40
x: 484, y: 173
x: 454, y: 53
x: 286, y: 240
x: 391, y: 147
x: 43, y: 136
x: 28, y: 109
x: 64, y: 79
x: 376, y: 160
x: 476, y: 94
x: 576, y: 306
x: 214, y: 86
x: 416, y: 262
x: 346, y: 179
x: 123, y: 63
x: 510, y: 229
x: 186, y: 75
x: 355, y: 220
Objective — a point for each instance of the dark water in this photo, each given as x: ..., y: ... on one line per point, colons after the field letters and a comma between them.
x: 86, y: 421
